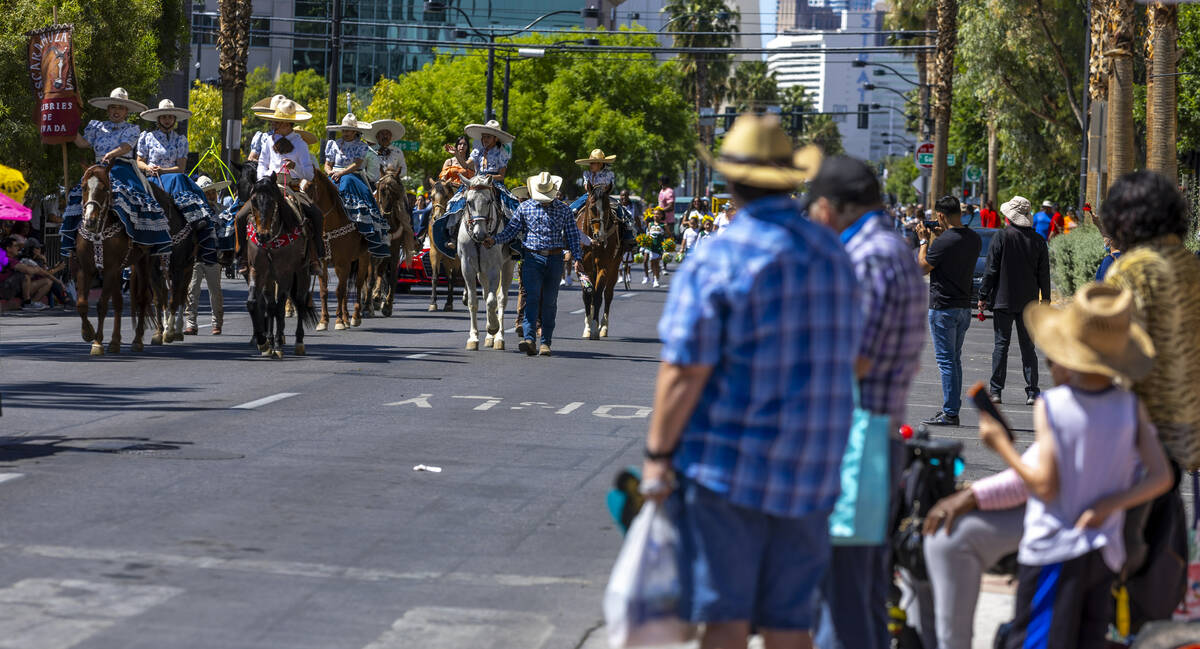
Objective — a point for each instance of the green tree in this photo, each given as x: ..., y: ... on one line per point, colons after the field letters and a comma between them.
x: 794, y: 99
x: 822, y: 131
x: 1189, y: 78
x: 901, y: 172
x: 117, y: 43
x: 204, y: 126
x: 752, y: 87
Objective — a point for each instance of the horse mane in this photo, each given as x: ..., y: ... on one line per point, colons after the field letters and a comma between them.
x: 247, y: 175
x: 266, y: 194
x: 327, y: 190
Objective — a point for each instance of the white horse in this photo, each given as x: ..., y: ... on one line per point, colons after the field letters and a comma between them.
x: 491, y: 267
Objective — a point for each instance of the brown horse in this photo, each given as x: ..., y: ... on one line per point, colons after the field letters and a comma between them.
x: 601, y: 261
x: 393, y: 203
x: 102, y: 246
x: 171, y: 287
x: 440, y: 193
x: 346, y: 247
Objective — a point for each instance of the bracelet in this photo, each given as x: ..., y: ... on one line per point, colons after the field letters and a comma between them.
x: 663, y: 455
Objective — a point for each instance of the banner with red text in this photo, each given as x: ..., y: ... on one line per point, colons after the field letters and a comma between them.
x: 52, y: 72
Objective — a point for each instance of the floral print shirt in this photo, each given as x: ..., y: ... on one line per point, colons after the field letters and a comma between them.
x: 162, y: 148
x: 342, y: 154
x: 106, y: 136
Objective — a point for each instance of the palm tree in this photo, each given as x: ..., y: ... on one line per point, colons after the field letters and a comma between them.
x: 1098, y: 71
x: 752, y: 87
x: 1119, y: 136
x: 233, y: 44
x: 795, y: 99
x: 1161, y: 22
x: 943, y: 89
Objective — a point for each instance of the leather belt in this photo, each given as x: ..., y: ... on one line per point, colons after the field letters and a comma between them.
x: 548, y: 252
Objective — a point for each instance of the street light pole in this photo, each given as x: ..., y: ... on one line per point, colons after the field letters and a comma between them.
x: 491, y: 67
x: 335, y: 66
x: 504, y: 113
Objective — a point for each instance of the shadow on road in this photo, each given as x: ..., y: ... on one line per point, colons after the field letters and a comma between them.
x: 66, y: 395
x: 15, y: 449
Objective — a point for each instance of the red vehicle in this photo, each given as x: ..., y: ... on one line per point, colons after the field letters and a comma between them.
x: 417, y: 272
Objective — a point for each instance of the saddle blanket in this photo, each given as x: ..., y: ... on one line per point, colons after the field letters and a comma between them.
x: 281, y: 241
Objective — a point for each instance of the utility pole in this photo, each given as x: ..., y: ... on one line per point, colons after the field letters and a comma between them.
x: 335, y: 65
x: 1087, y: 97
x: 491, y: 68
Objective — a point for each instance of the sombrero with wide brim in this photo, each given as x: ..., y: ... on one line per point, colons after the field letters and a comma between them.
x: 520, y: 192
x: 268, y: 104
x: 757, y: 152
x: 389, y: 125
x: 285, y: 110
x: 1095, y: 333
x: 492, y: 127
x: 166, y: 107
x: 206, y: 184
x: 350, y: 123
x: 596, y: 156
x: 118, y: 97
x: 309, y: 138
x: 543, y: 187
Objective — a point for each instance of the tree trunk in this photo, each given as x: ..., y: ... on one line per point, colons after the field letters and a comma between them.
x: 233, y: 44
x: 943, y: 90
x: 1096, y: 153
x: 1160, y: 90
x: 993, y: 151
x: 926, y: 68
x: 1120, y: 90
x: 1098, y: 70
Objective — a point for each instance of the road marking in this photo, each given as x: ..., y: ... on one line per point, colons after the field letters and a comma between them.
x: 488, y: 402
x: 436, y: 626
x: 61, y: 613
x: 627, y: 295
x: 416, y: 356
x: 639, y: 412
x: 5, y: 477
x: 420, y: 401
x: 284, y: 568
x: 577, y: 312
x: 250, y: 405
x: 569, y: 408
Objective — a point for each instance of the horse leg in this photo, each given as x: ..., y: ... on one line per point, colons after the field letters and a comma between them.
x: 158, y: 295
x: 106, y: 289
x: 610, y: 283
x: 450, y: 290
x: 362, y: 284
x: 118, y: 302
x: 343, y: 274
x: 506, y: 271
x: 280, y: 320
x: 137, y: 302
x: 83, y: 285
x: 434, y: 265
x: 323, y: 285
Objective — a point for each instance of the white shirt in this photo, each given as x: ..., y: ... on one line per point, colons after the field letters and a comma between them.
x: 722, y: 221
x: 269, y: 161
x: 376, y: 162
x: 690, y: 236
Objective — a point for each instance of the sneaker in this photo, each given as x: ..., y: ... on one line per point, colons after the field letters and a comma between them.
x: 35, y: 306
x: 656, y: 284
x: 544, y: 350
x: 527, y: 347
x: 941, y: 419
x: 1030, y: 400
x: 996, y: 397
x: 645, y: 279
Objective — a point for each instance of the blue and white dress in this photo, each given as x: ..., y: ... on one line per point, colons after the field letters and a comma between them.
x: 144, y: 219
x: 356, y: 196
x: 165, y: 148
x: 261, y: 139
x: 489, y: 161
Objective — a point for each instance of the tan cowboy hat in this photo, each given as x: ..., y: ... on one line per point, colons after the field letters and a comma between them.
x: 309, y: 138
x: 1016, y: 210
x: 474, y: 131
x: 758, y: 152
x: 389, y: 125
x: 596, y: 156
x: 349, y: 123
x: 543, y: 187
x: 285, y: 110
x: 206, y: 184
x: 1095, y: 333
x: 520, y: 192
x: 119, y: 97
x: 166, y: 107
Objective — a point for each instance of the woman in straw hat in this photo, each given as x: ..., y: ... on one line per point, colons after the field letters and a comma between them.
x: 598, y: 175
x: 344, y: 162
x: 286, y: 153
x: 263, y: 138
x: 490, y: 158
x: 162, y: 157
x: 114, y: 141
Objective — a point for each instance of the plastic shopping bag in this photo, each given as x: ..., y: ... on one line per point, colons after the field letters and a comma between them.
x: 642, y: 599
x: 1189, y: 609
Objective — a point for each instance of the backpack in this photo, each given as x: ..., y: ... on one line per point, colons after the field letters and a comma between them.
x: 928, y: 476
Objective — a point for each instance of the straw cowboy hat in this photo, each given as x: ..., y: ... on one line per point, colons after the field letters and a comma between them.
x: 350, y: 123
x: 389, y: 125
x: 475, y: 131
x: 1016, y: 210
x: 166, y: 107
x: 520, y: 192
x: 596, y: 156
x: 117, y: 97
x: 543, y: 187
x: 284, y: 110
x: 758, y: 152
x: 1095, y: 333
x: 206, y: 184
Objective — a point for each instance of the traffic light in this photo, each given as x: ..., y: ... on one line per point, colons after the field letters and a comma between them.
x: 966, y: 193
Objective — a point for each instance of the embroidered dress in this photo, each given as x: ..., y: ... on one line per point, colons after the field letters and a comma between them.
x: 356, y: 196
x: 226, y: 224
x: 165, y: 148
x: 260, y: 140
x: 143, y: 218
x: 490, y: 161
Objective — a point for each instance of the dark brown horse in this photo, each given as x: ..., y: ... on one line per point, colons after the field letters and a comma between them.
x: 393, y: 203
x: 346, y: 247
x: 601, y: 261
x: 172, y: 280
x: 440, y: 194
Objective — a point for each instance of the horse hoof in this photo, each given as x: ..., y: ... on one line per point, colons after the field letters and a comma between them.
x: 473, y: 345
x: 387, y: 311
x: 168, y: 337
x: 448, y: 307
x: 265, y: 348
x: 322, y: 326
x: 338, y: 326
x: 299, y: 351
x: 136, y: 346
x: 595, y: 335
x: 587, y: 335
x: 114, y: 347
x: 432, y: 307
x: 277, y: 354
x: 356, y: 322
x: 487, y: 342
x: 498, y: 344
x: 97, y: 349
x: 156, y: 339
x: 604, y: 332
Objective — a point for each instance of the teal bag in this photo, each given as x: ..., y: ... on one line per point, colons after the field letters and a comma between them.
x: 860, y: 515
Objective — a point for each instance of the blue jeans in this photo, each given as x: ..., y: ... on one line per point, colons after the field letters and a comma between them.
x: 948, y: 328
x: 540, y: 276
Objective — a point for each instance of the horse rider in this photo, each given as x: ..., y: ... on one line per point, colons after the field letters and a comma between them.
x: 286, y: 154
x: 454, y: 169
x: 598, y: 175
x: 489, y: 158
x: 344, y: 162
x: 263, y: 138
x: 162, y: 157
x: 114, y: 141
x: 382, y: 133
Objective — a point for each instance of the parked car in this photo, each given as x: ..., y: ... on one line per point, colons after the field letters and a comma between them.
x: 417, y: 272
x: 985, y: 235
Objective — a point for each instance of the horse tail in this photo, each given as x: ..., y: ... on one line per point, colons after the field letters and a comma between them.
x: 353, y: 284
x: 306, y: 309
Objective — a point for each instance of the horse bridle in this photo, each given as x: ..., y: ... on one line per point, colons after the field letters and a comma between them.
x: 597, y: 200
x: 492, y: 214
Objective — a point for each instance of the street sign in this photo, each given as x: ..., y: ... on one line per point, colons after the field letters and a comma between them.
x: 408, y: 145
x: 925, y: 155
x: 974, y: 174
x: 949, y: 159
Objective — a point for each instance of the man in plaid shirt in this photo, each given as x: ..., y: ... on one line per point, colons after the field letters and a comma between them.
x: 845, y: 195
x: 753, y: 401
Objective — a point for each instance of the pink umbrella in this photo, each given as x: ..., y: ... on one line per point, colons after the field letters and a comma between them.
x: 11, y: 210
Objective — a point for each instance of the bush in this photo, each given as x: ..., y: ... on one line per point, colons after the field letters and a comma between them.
x: 1074, y: 258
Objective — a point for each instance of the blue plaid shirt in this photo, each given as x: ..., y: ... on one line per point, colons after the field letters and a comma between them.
x: 545, y: 225
x: 774, y: 307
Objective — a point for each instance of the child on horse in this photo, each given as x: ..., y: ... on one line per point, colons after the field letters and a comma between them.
x: 599, y: 176
x: 490, y: 157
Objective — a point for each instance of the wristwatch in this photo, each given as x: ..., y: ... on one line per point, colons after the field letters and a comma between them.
x: 922, y: 242
x: 663, y: 455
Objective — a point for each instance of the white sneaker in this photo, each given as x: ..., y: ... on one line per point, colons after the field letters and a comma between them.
x: 645, y: 279
x: 35, y: 306
x: 562, y: 282
x: 656, y: 285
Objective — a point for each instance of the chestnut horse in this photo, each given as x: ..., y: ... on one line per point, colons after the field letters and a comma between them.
x: 346, y: 247
x: 393, y: 203
x: 601, y: 261
x: 440, y: 193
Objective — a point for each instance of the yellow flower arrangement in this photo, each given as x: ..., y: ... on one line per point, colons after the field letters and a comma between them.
x: 643, y: 240
x: 669, y: 245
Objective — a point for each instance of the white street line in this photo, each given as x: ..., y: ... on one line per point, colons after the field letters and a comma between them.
x: 416, y: 356
x: 569, y: 408
x: 577, y: 312
x: 5, y: 477
x: 627, y: 295
x: 249, y: 405
x: 436, y: 626
x: 61, y: 613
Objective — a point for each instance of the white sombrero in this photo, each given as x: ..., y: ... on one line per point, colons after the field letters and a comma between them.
x: 390, y: 125
x: 284, y: 110
x: 474, y: 131
x: 543, y: 187
x: 350, y: 123
x: 206, y: 184
x: 596, y: 156
x: 166, y: 107
x: 118, y: 97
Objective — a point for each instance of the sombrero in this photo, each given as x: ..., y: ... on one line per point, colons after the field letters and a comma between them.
x: 390, y: 125
x: 474, y: 131
x: 596, y: 156
x: 268, y: 104
x: 520, y: 192
x: 285, y: 110
x: 757, y: 152
x: 349, y: 123
x: 166, y: 107
x: 206, y: 184
x: 309, y: 138
x: 118, y: 97
x: 1095, y: 333
x: 543, y: 187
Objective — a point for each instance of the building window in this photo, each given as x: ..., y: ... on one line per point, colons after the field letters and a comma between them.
x: 260, y: 32
x: 840, y: 112
x: 204, y: 28
x: 864, y: 116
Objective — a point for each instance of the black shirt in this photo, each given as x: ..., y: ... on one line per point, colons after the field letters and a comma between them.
x: 1018, y: 269
x: 953, y: 256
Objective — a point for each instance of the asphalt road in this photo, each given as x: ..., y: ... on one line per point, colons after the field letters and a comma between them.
x: 197, y: 495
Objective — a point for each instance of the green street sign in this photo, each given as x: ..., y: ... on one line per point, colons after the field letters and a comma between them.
x: 925, y: 159
x: 974, y: 174
x: 949, y: 159
x: 408, y: 145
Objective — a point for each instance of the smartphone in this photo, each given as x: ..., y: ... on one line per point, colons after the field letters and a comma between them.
x: 932, y: 225
x: 983, y: 402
